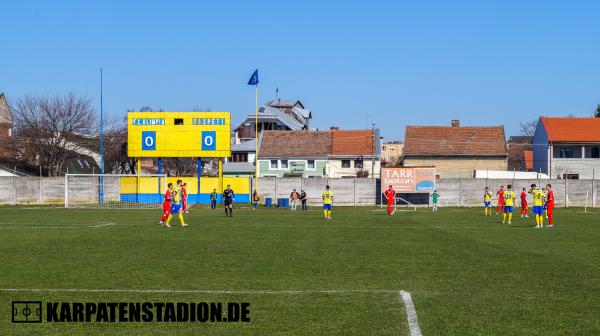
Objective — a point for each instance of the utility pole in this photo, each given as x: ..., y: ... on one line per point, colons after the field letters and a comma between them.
x: 373, y: 150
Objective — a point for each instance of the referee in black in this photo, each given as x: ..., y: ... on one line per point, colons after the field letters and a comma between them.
x: 228, y: 198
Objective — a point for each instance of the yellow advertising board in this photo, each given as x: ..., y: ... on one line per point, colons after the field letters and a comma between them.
x: 178, y: 134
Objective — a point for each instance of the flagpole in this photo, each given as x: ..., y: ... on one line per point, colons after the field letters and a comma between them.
x: 256, y: 143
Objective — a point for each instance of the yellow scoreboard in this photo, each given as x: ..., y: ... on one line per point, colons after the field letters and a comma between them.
x: 178, y: 134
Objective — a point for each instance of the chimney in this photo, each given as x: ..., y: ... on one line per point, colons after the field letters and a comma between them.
x: 455, y: 123
x: 334, y: 128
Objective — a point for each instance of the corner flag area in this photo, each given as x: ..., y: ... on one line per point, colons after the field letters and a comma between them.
x: 453, y: 272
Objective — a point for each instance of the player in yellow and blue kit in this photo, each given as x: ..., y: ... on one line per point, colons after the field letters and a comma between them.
x: 538, y: 206
x: 176, y: 206
x: 545, y: 206
x: 509, y: 204
x: 487, y: 202
x: 327, y: 202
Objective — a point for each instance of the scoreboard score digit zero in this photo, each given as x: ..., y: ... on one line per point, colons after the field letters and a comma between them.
x: 178, y: 134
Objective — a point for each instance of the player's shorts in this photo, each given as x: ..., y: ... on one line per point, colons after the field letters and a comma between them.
x: 500, y: 202
x: 538, y: 210
x: 167, y: 207
x: 228, y: 201
x: 487, y: 204
x: 524, y: 204
x: 545, y: 207
x: 326, y: 206
x: 175, y: 208
x: 508, y: 208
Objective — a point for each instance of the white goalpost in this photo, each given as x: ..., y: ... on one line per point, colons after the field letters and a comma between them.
x: 114, y: 190
x: 406, y: 205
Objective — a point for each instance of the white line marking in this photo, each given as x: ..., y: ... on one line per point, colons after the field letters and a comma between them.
x: 192, y: 291
x: 72, y: 227
x: 413, y: 324
x: 58, y: 226
x: 101, y: 225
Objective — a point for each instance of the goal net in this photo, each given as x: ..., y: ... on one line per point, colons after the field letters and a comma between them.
x: 114, y: 191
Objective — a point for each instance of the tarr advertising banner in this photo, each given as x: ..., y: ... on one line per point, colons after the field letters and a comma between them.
x: 408, y: 179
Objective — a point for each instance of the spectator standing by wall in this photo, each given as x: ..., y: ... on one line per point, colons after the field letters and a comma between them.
x: 303, y: 200
x: 294, y: 196
x: 213, y: 199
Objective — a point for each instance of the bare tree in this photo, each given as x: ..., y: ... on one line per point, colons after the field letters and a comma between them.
x: 180, y: 166
x: 116, y: 160
x: 597, y: 112
x: 199, y: 108
x: 47, y: 128
x: 528, y: 128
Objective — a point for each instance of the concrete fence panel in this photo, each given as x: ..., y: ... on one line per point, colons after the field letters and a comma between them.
x: 347, y: 191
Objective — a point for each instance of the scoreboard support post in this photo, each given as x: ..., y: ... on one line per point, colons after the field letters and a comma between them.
x: 199, y: 174
x: 159, y: 172
x: 139, y: 171
x: 221, y: 175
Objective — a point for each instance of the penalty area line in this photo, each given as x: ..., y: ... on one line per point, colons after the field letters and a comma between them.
x: 411, y: 314
x: 201, y: 291
x: 405, y: 297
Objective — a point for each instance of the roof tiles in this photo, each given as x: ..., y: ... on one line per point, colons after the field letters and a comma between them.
x: 453, y: 141
x: 297, y: 144
x: 572, y: 129
x: 352, y: 142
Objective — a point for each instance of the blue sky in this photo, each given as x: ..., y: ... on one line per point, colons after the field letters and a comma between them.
x: 396, y: 63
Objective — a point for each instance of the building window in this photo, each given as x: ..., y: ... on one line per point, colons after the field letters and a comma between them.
x: 310, y: 164
x: 565, y: 153
x: 595, y: 153
x: 345, y: 163
x: 284, y: 164
x: 178, y: 121
x: 273, y: 164
x: 358, y: 163
x: 239, y: 157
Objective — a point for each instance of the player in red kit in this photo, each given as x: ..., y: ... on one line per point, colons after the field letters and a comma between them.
x: 524, y: 209
x: 500, y: 194
x: 390, y: 194
x: 167, y: 204
x: 550, y: 204
x: 184, y: 197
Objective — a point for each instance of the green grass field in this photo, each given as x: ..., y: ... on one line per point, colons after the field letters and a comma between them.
x: 467, y: 274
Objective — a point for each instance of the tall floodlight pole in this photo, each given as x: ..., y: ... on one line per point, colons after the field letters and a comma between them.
x: 101, y: 127
x: 101, y: 142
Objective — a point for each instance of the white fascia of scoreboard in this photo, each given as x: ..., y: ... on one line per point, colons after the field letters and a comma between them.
x: 178, y: 134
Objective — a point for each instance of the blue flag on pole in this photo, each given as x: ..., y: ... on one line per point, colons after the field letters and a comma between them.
x: 254, y: 78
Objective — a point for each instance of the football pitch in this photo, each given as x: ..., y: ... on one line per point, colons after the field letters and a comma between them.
x: 302, y: 275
